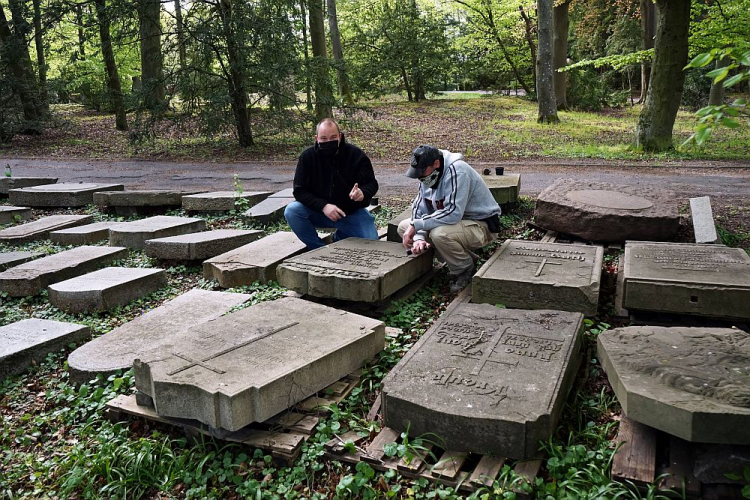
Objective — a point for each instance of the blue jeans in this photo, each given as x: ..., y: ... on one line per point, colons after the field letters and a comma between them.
x: 304, y: 221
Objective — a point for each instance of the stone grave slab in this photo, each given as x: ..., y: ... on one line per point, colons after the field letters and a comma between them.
x: 704, y: 226
x: 504, y: 188
x: 127, y: 203
x: 221, y: 201
x: 84, y: 235
x: 117, y: 349
x: 200, y: 246
x: 8, y: 183
x: 105, y: 289
x: 392, y: 234
x: 269, y: 210
x: 536, y: 275
x: 33, y: 277
x: 353, y: 269
x: 41, y: 228
x: 252, y: 364
x: 689, y: 382
x: 486, y: 380
x: 30, y: 340
x: 59, y: 195
x: 600, y: 211
x: 687, y: 278
x: 284, y: 193
x: 134, y: 234
x: 256, y: 261
x: 10, y: 259
x: 10, y: 214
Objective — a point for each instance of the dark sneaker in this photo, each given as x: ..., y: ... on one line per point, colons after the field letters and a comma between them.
x: 462, y: 280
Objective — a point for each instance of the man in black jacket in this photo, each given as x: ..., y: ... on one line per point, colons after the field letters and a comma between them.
x: 333, y: 184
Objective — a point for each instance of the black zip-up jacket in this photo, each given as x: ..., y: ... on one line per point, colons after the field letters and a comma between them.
x: 321, y: 179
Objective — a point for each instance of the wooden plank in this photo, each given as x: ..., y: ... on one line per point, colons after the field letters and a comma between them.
x: 281, y: 442
x: 680, y: 469
x: 449, y: 465
x: 336, y: 445
x: 314, y: 403
x: 486, y: 470
x: 528, y: 469
x: 635, y: 460
x: 549, y: 237
x: 337, y: 388
x: 375, y: 408
x: 414, y: 463
x: 306, y: 425
x: 375, y: 451
x: 285, y: 420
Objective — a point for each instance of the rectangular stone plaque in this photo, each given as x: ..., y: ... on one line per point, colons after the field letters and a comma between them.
x: 221, y: 201
x: 8, y: 183
x: 33, y: 277
x: 134, y: 234
x: 41, y: 228
x: 9, y: 214
x: 200, y: 246
x: 536, y: 275
x: 249, y: 365
x: 145, y: 202
x: 59, y: 195
x: 354, y: 269
x: 256, y: 261
x: 84, y: 235
x: 393, y: 225
x: 486, y: 380
x: 30, y: 340
x: 704, y: 226
x: 504, y: 188
x: 687, y: 278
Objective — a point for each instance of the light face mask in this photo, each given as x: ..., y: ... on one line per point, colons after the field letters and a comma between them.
x: 431, y: 180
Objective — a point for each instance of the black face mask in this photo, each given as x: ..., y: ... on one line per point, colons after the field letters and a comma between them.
x: 328, y: 148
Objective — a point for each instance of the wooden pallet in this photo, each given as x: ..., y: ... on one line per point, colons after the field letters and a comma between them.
x: 647, y: 456
x: 282, y: 436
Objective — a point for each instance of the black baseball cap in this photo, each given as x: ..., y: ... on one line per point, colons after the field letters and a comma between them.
x: 421, y: 158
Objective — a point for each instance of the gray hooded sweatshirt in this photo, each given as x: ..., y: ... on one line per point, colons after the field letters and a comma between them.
x: 460, y: 194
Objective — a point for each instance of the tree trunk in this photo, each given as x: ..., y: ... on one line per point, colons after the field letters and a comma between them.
x: 508, y: 59
x: 180, y: 34
x: 529, y: 26
x: 655, y: 124
x: 716, y: 96
x: 338, y: 53
x: 15, y: 54
x: 545, y: 85
x: 308, y: 84
x: 648, y: 31
x: 406, y: 83
x: 151, y: 58
x: 81, y: 37
x: 39, y: 43
x: 323, y: 91
x: 236, y: 77
x: 561, y: 21
x: 113, y: 79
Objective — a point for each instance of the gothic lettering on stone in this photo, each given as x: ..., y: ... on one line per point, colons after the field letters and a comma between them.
x: 690, y: 259
x: 371, y: 259
x: 476, y: 387
x: 326, y: 271
x: 537, y: 348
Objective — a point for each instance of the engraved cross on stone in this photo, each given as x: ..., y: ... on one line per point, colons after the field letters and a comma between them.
x: 485, y: 357
x: 203, y: 362
x: 543, y: 263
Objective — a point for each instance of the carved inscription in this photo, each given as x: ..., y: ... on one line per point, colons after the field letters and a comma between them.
x: 371, y: 259
x: 693, y: 259
x: 537, y: 348
x: 326, y: 271
x: 545, y: 253
x: 476, y: 387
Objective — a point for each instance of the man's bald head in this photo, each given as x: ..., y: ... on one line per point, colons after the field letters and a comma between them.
x: 327, y: 130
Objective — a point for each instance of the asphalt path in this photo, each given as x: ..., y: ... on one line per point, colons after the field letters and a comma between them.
x: 730, y: 181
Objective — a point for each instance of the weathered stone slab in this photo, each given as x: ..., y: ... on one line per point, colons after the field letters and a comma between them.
x: 84, y: 235
x: 41, y: 228
x: 536, y: 275
x: 504, y: 188
x: 269, y: 210
x: 10, y: 259
x: 353, y: 269
x: 10, y: 214
x: 284, y: 193
x: 251, y: 364
x: 393, y: 226
x: 59, y: 195
x: 221, y: 201
x: 704, y: 226
x: 134, y: 234
x: 200, y: 246
x: 600, y: 211
x: 33, y: 277
x: 687, y: 278
x: 117, y: 349
x: 105, y: 289
x: 30, y: 340
x: 256, y: 261
x: 139, y: 201
x: 486, y: 380
x: 689, y: 382
x: 8, y: 183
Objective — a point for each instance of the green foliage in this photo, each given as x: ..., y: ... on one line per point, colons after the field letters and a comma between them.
x: 744, y: 477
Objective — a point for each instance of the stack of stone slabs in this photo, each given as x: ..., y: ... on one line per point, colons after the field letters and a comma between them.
x: 251, y: 364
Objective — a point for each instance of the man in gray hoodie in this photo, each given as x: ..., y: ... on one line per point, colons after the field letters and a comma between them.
x: 454, y: 210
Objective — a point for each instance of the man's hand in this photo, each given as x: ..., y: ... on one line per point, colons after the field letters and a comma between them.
x: 333, y: 212
x: 356, y: 194
x: 419, y: 247
x: 408, y: 238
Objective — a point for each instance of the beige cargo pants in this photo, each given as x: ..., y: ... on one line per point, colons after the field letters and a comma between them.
x: 452, y: 242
